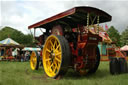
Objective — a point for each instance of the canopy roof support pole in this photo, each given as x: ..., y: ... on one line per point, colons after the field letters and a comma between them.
x: 34, y: 34
x: 31, y: 32
x: 98, y: 18
x: 41, y: 30
x: 87, y: 22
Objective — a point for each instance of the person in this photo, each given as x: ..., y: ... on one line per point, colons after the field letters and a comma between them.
x: 2, y: 52
x: 27, y: 54
x: 22, y: 57
x: 14, y: 53
x: 19, y: 54
x: 38, y: 53
x: 9, y: 52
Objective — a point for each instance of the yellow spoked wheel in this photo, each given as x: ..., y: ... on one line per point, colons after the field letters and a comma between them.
x: 56, y: 56
x: 34, y: 61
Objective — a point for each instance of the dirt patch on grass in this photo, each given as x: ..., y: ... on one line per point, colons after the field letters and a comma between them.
x: 42, y: 78
x: 39, y: 77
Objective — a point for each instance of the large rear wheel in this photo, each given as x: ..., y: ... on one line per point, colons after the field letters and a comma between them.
x: 93, y: 66
x: 97, y: 62
x: 56, y: 56
x: 34, y: 61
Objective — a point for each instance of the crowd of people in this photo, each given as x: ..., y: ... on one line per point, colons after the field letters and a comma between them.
x: 14, y: 53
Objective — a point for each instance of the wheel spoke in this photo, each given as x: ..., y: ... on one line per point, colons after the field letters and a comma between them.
x: 48, y: 59
x: 55, y: 44
x: 34, y: 59
x: 51, y: 43
x: 48, y: 50
x: 56, y: 66
x: 57, y: 59
x: 33, y: 54
x: 51, y: 47
x: 33, y: 63
x: 58, y: 53
x: 50, y: 67
x: 57, y: 47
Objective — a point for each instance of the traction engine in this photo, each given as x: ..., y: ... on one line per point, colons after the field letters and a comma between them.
x: 68, y: 42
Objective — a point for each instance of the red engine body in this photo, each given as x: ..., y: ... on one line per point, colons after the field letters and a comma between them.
x: 85, y: 53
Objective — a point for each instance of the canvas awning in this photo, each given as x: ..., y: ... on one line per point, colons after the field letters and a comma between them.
x: 124, y: 48
x: 102, y: 33
x: 9, y: 41
x: 31, y: 49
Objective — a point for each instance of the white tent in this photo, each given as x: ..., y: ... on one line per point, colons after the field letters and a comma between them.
x: 124, y: 48
x: 31, y: 49
x: 9, y: 41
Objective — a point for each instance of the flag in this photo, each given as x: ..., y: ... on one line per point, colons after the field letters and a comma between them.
x: 106, y: 27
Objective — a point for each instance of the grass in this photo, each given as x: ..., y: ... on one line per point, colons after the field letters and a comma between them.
x: 19, y: 73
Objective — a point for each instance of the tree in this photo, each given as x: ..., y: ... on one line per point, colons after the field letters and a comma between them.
x: 6, y: 32
x: 16, y: 35
x: 114, y: 35
x: 124, y: 37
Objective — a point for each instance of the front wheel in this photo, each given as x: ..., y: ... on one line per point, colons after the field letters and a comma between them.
x: 56, y: 56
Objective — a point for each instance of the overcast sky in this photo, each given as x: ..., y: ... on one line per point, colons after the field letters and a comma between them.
x: 20, y: 14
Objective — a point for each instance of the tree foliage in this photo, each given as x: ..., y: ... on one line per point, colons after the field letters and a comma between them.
x: 16, y: 35
x: 114, y: 35
x: 124, y: 37
x: 27, y: 40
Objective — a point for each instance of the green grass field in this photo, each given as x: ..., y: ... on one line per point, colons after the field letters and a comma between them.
x: 19, y: 73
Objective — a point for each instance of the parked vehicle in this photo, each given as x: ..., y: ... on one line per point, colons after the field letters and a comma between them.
x: 68, y: 43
